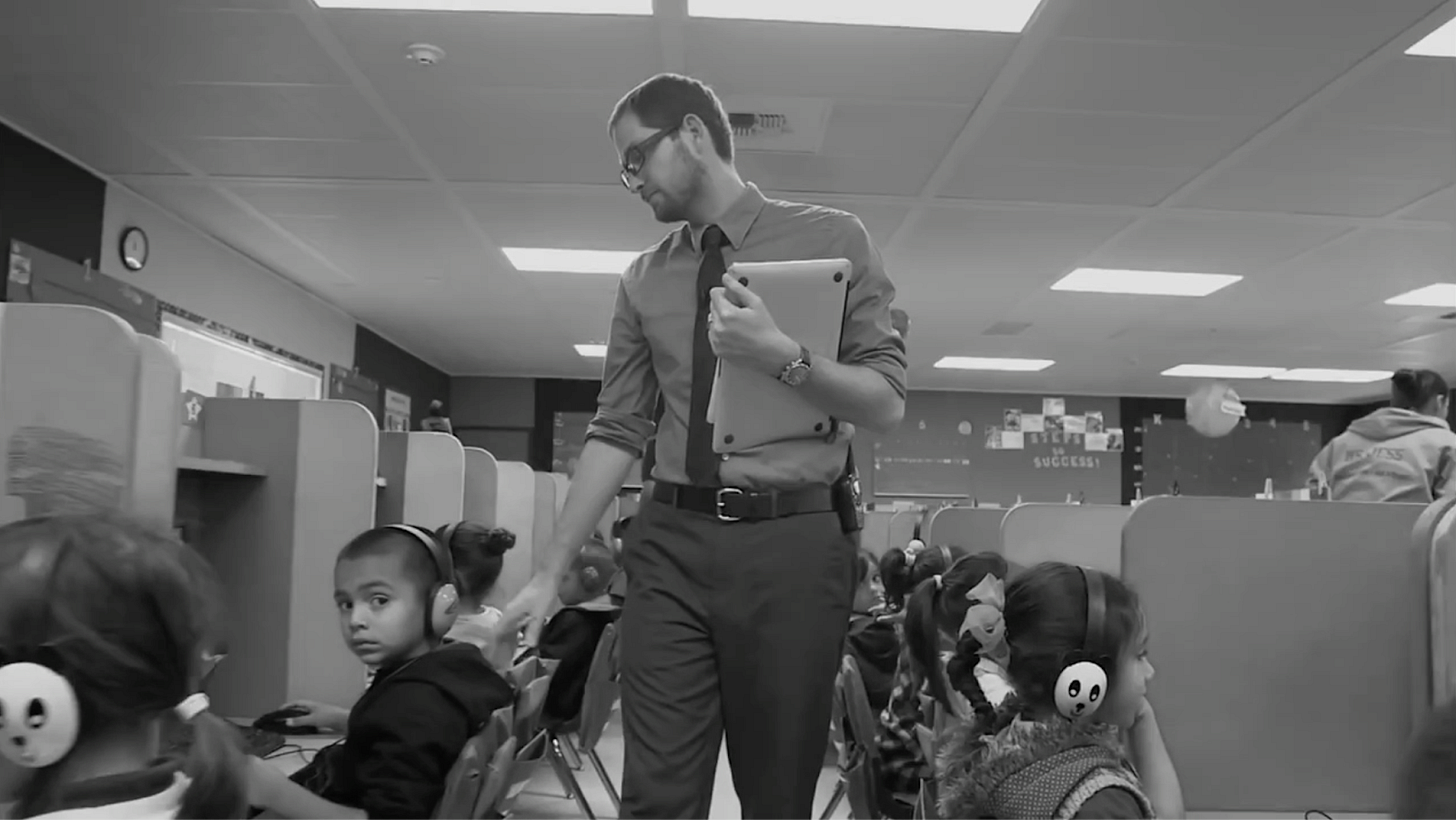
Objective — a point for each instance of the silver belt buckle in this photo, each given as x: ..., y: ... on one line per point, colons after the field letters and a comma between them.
x: 722, y: 494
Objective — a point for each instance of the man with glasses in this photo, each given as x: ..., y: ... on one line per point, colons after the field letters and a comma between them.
x: 740, y: 567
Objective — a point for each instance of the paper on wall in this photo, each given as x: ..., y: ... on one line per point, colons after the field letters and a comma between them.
x: 1013, y: 440
x: 1096, y: 442
x: 1114, y: 439
x: 1032, y: 423
x: 1094, y: 421
x: 993, y: 438
x: 1053, y: 407
x: 1074, y: 424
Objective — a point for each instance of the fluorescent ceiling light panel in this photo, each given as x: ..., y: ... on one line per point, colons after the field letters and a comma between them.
x: 562, y: 260
x: 1007, y: 16
x: 1008, y: 365
x: 592, y: 351
x: 635, y: 7
x: 1144, y: 282
x: 1334, y: 376
x: 1221, y: 371
x: 1441, y: 295
x: 1439, y: 43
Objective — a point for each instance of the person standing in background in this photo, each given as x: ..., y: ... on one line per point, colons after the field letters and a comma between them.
x: 1405, y: 452
x: 436, y: 421
x: 740, y: 567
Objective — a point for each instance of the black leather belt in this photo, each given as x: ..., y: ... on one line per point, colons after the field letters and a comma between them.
x: 733, y: 504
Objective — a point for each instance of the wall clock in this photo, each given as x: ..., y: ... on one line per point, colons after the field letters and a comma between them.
x: 134, y: 248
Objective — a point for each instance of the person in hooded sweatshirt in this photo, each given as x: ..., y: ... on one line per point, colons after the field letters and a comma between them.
x: 425, y: 702
x: 1403, y: 453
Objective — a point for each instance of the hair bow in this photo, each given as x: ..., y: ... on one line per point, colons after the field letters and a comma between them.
x: 984, y: 619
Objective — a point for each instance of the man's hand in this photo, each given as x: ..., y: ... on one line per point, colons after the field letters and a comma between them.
x: 530, y: 606
x: 742, y: 331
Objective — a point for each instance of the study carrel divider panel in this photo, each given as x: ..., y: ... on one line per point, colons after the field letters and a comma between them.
x: 69, y: 380
x: 424, y: 479
x: 1435, y: 535
x: 274, y: 540
x: 973, y: 529
x: 1280, y: 635
x: 1088, y: 535
x: 159, y: 421
x: 481, y: 487
x: 515, y: 511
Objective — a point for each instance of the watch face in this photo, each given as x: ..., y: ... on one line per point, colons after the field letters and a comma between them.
x: 796, y: 374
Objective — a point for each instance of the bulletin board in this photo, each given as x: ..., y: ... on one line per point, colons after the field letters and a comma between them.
x: 568, y: 434
x: 993, y: 447
x: 1233, y: 466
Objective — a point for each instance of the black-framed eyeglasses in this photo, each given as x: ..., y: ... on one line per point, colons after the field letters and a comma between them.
x: 636, y: 155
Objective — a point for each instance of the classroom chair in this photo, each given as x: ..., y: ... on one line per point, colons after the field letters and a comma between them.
x: 478, y: 778
x: 600, y: 697
x: 860, y: 758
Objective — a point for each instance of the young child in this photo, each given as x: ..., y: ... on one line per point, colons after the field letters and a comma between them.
x: 1426, y: 787
x: 394, y: 587
x: 478, y: 553
x: 902, y: 569
x: 103, y: 628
x: 572, y: 633
x: 966, y: 595
x: 618, y: 588
x: 872, y: 640
x: 1076, y: 643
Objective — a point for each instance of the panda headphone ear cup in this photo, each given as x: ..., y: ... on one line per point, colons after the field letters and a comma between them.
x: 40, y: 717
x: 1081, y: 688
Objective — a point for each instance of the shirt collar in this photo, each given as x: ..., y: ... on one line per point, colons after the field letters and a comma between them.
x: 735, y: 223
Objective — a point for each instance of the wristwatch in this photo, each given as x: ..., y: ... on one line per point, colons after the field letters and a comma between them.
x: 796, y: 372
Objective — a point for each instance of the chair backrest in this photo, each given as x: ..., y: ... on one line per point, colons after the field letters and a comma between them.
x: 530, y: 700
x: 470, y: 776
x: 492, y: 800
x: 861, y: 747
x: 527, y: 670
x: 522, y: 769
x: 601, y: 690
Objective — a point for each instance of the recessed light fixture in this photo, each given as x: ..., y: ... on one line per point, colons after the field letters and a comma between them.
x: 633, y: 7
x: 1439, y: 43
x: 1221, y: 371
x: 1144, y: 282
x: 562, y: 260
x: 1006, y: 16
x: 1332, y: 375
x: 592, y: 351
x: 1441, y: 295
x: 1008, y: 365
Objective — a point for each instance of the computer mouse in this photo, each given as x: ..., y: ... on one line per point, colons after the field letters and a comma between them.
x: 276, y: 721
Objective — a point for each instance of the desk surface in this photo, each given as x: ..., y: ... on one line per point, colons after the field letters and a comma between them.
x: 298, y: 750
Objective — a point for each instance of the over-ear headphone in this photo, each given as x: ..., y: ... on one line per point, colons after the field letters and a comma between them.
x: 40, y: 717
x: 1082, y: 684
x: 443, y: 597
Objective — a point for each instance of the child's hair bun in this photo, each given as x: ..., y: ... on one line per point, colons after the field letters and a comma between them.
x: 497, y: 541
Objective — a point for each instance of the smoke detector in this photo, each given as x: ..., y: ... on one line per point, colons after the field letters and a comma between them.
x: 425, y: 54
x: 778, y: 124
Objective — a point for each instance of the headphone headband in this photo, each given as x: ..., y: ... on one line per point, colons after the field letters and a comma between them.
x: 1095, y: 642
x: 440, y: 552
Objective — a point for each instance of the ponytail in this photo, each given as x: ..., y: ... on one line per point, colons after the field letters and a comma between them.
x: 922, y: 638
x: 961, y: 671
x: 218, y: 770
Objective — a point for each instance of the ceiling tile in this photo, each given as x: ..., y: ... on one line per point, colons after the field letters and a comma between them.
x: 1318, y: 147
x: 1074, y: 184
x: 1406, y: 92
x: 1236, y: 245
x: 786, y: 59
x: 1147, y: 78
x: 329, y: 159
x: 1241, y: 189
x: 1286, y: 24
x: 1078, y: 138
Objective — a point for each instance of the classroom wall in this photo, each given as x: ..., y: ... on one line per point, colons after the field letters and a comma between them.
x: 205, y: 277
x: 495, y: 413
x: 48, y: 202
x: 401, y: 371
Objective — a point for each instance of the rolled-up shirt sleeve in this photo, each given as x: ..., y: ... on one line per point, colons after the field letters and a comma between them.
x: 629, y: 386
x: 869, y: 337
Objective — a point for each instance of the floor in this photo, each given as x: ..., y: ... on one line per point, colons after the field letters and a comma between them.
x: 544, y: 798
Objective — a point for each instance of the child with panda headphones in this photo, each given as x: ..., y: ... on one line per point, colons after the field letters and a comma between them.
x: 395, y: 588
x: 1076, y: 736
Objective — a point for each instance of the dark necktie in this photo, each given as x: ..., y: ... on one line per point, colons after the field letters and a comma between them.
x: 701, y: 461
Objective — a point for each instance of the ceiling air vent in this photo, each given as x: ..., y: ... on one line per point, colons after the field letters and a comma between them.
x: 1006, y: 328
x: 779, y: 124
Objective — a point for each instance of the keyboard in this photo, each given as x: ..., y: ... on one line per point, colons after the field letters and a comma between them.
x: 260, y: 742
